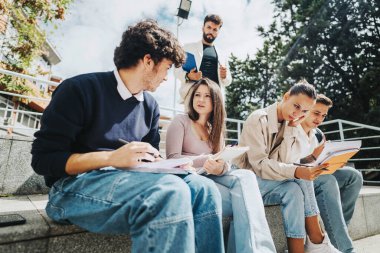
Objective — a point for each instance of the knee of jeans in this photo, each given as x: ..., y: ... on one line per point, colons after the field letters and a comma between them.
x: 292, y: 204
x: 174, y: 189
x: 293, y: 194
x: 207, y: 188
x: 328, y: 182
x: 357, y: 177
x: 243, y: 176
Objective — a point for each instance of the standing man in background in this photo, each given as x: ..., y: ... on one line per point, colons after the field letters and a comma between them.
x: 207, y: 60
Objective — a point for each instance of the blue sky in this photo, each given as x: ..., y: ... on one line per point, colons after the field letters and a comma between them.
x: 92, y: 29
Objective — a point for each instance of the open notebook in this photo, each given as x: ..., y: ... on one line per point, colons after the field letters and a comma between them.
x: 229, y: 153
x: 170, y: 166
x: 336, y: 154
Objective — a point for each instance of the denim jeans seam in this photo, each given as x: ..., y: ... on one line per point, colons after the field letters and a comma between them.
x: 312, y: 208
x: 311, y: 213
x: 237, y: 181
x: 295, y: 236
x: 113, y: 187
x: 232, y: 181
x: 286, y: 228
x: 331, y: 236
x: 61, y: 211
x: 205, y: 215
x: 283, y: 217
x: 59, y: 184
x: 169, y: 220
x: 76, y: 194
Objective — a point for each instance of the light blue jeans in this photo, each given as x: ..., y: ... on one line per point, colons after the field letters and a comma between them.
x: 161, y: 212
x: 297, y: 200
x: 336, y: 196
x: 249, y: 231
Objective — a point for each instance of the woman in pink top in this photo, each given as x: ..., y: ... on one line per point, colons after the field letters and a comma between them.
x: 201, y: 132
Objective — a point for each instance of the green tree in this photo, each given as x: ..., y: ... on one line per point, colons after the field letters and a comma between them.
x: 24, y: 45
x: 334, y: 44
x: 26, y: 41
x: 254, y: 79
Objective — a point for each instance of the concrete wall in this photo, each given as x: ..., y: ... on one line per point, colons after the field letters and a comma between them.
x: 16, y: 175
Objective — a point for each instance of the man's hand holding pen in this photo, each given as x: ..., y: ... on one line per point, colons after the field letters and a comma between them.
x: 133, y: 153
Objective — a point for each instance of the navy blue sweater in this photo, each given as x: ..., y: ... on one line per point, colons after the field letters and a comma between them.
x: 87, y: 114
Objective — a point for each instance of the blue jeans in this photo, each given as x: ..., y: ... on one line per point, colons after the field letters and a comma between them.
x: 297, y: 200
x: 336, y: 196
x: 161, y: 212
x: 249, y: 231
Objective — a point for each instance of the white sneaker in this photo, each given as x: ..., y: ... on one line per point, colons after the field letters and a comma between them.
x: 324, y: 247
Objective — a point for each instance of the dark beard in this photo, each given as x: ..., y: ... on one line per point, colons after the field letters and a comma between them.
x: 208, y: 40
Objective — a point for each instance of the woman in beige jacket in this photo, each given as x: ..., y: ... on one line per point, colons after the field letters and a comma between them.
x: 270, y: 134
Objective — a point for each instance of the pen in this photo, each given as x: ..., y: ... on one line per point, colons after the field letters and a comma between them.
x: 304, y: 165
x: 309, y: 166
x: 143, y: 160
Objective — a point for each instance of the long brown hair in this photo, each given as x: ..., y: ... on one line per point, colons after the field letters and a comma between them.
x: 216, y: 124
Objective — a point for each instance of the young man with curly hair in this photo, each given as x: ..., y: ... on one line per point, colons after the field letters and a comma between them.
x: 78, y: 152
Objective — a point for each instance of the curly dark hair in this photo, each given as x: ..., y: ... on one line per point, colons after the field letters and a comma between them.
x: 146, y: 37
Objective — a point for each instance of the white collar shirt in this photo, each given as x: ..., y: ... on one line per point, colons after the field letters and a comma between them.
x: 123, y: 90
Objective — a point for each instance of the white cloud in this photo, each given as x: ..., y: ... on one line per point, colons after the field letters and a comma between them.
x: 92, y: 29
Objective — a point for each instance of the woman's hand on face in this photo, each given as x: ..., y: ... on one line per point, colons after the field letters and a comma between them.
x: 214, y: 167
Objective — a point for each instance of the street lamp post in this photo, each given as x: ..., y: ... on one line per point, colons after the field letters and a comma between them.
x: 183, y: 13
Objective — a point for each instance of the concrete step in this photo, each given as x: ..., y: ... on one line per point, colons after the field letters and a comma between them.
x: 24, y: 192
x: 40, y: 234
x: 368, y: 245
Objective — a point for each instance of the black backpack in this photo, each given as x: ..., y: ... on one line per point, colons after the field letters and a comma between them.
x: 319, y: 134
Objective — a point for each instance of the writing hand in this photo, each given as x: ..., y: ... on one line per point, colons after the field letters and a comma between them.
x: 133, y: 154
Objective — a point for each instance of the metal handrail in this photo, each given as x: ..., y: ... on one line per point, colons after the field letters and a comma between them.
x: 357, y: 126
x: 27, y: 77
x: 34, y: 79
x: 239, y: 123
x: 342, y: 121
x: 24, y: 96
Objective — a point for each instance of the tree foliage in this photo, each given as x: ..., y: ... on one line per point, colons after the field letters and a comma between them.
x: 26, y: 44
x: 334, y: 44
x: 21, y: 46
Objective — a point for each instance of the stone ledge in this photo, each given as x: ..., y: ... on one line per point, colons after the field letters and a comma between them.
x: 41, y: 234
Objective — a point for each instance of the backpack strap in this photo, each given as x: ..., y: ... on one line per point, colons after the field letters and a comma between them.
x: 319, y: 135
